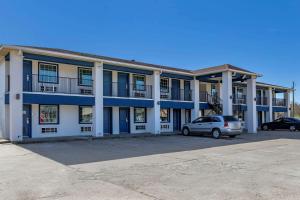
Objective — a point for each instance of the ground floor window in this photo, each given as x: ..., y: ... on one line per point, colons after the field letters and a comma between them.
x: 48, y: 114
x: 164, y: 115
x: 140, y: 115
x: 240, y: 114
x: 187, y: 116
x: 85, y: 114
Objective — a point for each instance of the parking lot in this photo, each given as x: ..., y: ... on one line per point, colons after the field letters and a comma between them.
x: 252, y: 166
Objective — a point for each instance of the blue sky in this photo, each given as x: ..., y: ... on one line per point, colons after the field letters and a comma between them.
x: 260, y: 35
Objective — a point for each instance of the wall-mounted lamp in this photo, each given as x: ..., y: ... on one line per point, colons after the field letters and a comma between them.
x: 254, y: 98
x: 18, y: 96
x: 230, y: 96
x: 158, y: 103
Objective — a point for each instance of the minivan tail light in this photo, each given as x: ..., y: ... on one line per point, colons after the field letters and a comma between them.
x: 225, y: 123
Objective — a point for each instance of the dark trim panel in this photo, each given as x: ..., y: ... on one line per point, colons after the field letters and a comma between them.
x: 57, y: 99
x: 203, y: 106
x: 176, y: 104
x: 57, y: 60
x: 127, y: 69
x: 280, y: 109
x: 177, y: 76
x: 239, y: 107
x: 262, y: 108
x: 128, y: 102
x: 7, y: 57
x: 6, y: 99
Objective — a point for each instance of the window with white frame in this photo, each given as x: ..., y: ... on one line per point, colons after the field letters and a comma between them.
x: 164, y: 85
x: 139, y: 82
x: 85, y: 77
x: 164, y: 115
x: 85, y: 114
x: 48, y: 73
x: 140, y: 115
x: 48, y: 114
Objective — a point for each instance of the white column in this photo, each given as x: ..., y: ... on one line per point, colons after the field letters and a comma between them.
x: 270, y: 104
x: 2, y: 98
x: 16, y: 96
x: 155, y: 111
x: 251, y: 106
x: 115, y: 118
x: 195, y: 96
x: 98, y: 92
x: 288, y: 103
x: 227, y: 92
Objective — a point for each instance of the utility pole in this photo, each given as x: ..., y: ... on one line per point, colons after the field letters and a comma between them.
x: 293, y: 98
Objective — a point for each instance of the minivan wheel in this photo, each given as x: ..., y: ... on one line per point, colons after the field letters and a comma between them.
x: 265, y: 128
x: 216, y: 133
x: 292, y: 128
x: 185, y: 131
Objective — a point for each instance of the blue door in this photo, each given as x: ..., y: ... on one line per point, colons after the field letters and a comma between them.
x: 107, y: 83
x: 123, y: 84
x: 107, y: 120
x: 176, y: 119
x: 124, y: 120
x: 27, y: 75
x: 187, y: 91
x: 175, y: 89
x: 27, y: 121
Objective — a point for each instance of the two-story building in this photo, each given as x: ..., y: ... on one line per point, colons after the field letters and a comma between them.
x: 47, y: 92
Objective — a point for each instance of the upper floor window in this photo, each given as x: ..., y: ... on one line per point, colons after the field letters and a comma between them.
x: 85, y: 77
x: 85, y: 114
x: 48, y: 114
x: 164, y: 85
x: 139, y: 82
x: 48, y: 73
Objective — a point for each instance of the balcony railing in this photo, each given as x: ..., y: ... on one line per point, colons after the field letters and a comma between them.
x: 119, y: 89
x: 239, y: 99
x: 261, y: 101
x: 176, y: 94
x: 279, y: 102
x: 53, y: 84
x: 203, y: 95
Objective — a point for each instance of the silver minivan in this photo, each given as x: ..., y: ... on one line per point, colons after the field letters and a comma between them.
x: 216, y: 125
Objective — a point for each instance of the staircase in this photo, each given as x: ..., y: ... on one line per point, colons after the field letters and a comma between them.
x: 215, y: 103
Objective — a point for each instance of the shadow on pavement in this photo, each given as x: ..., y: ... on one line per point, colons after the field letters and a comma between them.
x: 79, y: 152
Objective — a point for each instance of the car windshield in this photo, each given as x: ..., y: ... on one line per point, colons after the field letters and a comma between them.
x: 230, y: 119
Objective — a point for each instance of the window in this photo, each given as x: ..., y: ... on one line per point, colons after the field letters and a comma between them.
x: 164, y: 115
x: 49, y: 114
x: 187, y: 116
x: 85, y: 114
x: 85, y: 77
x: 48, y: 73
x: 140, y: 115
x: 164, y: 85
x: 139, y: 82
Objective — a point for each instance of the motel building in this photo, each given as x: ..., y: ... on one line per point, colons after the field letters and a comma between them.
x: 47, y: 92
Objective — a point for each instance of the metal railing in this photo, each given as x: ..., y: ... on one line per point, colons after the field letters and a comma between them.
x: 261, y: 101
x: 203, y: 95
x: 118, y: 89
x: 279, y: 102
x: 176, y: 94
x: 54, y: 84
x: 239, y: 99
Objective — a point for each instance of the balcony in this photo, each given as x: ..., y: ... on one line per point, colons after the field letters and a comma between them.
x: 279, y: 102
x: 239, y: 99
x: 118, y: 89
x: 175, y: 94
x: 53, y: 84
x: 261, y: 101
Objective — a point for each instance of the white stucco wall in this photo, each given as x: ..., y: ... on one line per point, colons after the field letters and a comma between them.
x: 2, y: 98
x: 68, y: 123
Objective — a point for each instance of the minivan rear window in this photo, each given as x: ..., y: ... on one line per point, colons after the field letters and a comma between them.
x: 230, y: 119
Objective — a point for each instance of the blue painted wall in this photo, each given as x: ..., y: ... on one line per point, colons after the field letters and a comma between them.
x: 176, y: 104
x: 124, y: 102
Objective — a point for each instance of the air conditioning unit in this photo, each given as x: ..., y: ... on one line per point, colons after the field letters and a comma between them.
x: 48, y: 88
x: 86, y: 129
x: 86, y: 91
x: 139, y: 94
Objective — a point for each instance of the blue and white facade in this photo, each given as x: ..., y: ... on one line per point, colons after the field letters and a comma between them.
x: 54, y: 93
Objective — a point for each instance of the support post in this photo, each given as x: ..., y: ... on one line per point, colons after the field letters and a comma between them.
x: 227, y: 92
x: 155, y: 112
x: 195, y: 97
x: 98, y: 92
x: 270, y: 104
x: 251, y: 105
x: 16, y: 96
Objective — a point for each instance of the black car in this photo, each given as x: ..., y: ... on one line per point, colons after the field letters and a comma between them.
x: 292, y: 124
